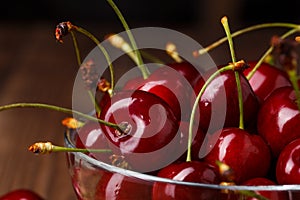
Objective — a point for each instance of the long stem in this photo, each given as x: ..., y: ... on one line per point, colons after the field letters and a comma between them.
x: 59, y: 109
x: 92, y: 97
x: 48, y: 147
x: 196, y: 103
x: 245, y: 30
x: 269, y: 50
x: 143, y: 68
x: 225, y: 24
x: 102, y: 49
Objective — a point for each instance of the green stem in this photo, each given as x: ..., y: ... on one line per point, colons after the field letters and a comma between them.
x: 75, y: 43
x: 143, y: 68
x: 196, y: 103
x: 250, y: 193
x: 268, y: 52
x: 249, y: 29
x: 76, y: 46
x: 236, y: 73
x: 66, y: 149
x: 102, y: 49
x: 294, y: 80
x: 59, y: 109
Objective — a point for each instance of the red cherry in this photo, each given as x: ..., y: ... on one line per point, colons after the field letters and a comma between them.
x: 172, y: 87
x: 187, y: 70
x: 91, y: 136
x: 21, y: 194
x: 198, y: 138
x: 119, y: 187
x: 151, y: 129
x: 194, y: 171
x: 279, y: 119
x: 266, y: 79
x: 219, y: 105
x: 260, y: 181
x: 288, y: 164
x: 247, y: 155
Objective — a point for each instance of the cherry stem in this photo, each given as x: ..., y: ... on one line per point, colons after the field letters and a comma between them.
x: 60, y: 109
x: 225, y: 24
x: 143, y: 68
x: 48, y: 147
x: 102, y: 49
x: 268, y: 52
x: 196, y: 103
x: 245, y: 30
x: 77, y: 51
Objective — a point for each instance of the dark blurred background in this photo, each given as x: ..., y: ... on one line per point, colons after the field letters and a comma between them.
x: 158, y: 11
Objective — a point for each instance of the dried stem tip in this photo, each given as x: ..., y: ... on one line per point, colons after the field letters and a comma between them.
x: 41, y: 147
x: 62, y: 29
x: 240, y: 65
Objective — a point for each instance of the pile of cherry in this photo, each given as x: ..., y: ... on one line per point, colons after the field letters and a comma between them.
x: 154, y: 114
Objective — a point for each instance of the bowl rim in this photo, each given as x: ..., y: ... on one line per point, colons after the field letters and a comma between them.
x: 69, y: 133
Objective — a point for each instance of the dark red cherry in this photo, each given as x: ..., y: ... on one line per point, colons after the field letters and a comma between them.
x: 279, y: 119
x: 119, y: 187
x: 261, y: 181
x: 247, y: 155
x: 288, y: 164
x: 195, y: 172
x: 197, y: 140
x: 266, y: 79
x: 150, y: 138
x: 219, y: 105
x: 21, y: 194
x: 91, y: 136
x: 172, y: 87
x: 187, y: 70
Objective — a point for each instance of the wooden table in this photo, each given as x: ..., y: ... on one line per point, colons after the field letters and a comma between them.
x: 35, y: 68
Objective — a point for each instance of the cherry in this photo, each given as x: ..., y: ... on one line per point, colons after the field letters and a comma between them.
x: 266, y: 79
x: 288, y: 164
x: 221, y: 98
x: 247, y: 155
x: 150, y: 128
x: 172, y: 87
x: 279, y: 119
x: 198, y: 138
x: 187, y: 70
x: 91, y: 136
x: 261, y: 181
x: 194, y: 171
x: 119, y: 187
x: 21, y: 194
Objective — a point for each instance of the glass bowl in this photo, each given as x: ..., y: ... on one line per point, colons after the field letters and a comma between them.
x: 93, y: 179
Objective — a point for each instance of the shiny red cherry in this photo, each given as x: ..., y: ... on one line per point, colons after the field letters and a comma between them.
x: 197, y: 140
x: 279, y: 119
x: 91, y: 136
x: 194, y: 172
x: 288, y: 164
x: 247, y: 155
x: 187, y: 70
x: 119, y: 187
x: 219, y: 105
x: 266, y: 79
x: 21, y: 194
x: 172, y: 87
x: 149, y: 138
x: 261, y: 181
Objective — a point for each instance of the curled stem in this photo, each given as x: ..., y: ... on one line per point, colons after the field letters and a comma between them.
x: 196, y: 103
